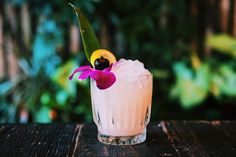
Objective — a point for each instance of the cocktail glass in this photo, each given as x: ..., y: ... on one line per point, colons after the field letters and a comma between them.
x: 122, y: 111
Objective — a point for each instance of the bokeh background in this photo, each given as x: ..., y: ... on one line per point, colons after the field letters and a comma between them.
x: 188, y: 45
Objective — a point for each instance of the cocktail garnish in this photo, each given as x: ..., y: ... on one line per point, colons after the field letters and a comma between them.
x: 104, y: 78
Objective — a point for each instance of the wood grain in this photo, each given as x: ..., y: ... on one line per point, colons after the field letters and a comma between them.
x: 166, y: 138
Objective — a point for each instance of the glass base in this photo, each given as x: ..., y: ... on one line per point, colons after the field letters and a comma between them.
x: 122, y: 140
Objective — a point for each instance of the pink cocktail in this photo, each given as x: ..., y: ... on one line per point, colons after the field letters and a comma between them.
x: 122, y: 111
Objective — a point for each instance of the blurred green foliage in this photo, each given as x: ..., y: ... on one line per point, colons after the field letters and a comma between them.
x: 195, y: 83
x: 188, y: 83
x: 191, y: 86
x: 223, y: 43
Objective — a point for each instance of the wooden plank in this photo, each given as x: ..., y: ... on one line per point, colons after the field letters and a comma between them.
x: 182, y: 139
x: 36, y: 140
x: 167, y: 138
x: 156, y: 144
x: 3, y: 128
x: 217, y: 140
x: 88, y: 145
x: 200, y: 138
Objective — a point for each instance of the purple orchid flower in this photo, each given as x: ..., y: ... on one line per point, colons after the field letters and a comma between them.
x: 104, y: 78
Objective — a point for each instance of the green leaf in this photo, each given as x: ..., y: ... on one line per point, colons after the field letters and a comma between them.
x: 89, y: 39
x: 223, y: 43
x: 228, y: 75
x: 191, y: 86
x: 60, y: 77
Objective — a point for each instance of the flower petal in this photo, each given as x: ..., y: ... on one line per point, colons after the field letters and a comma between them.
x: 103, y: 79
x: 80, y: 69
x: 85, y: 74
x: 107, y: 69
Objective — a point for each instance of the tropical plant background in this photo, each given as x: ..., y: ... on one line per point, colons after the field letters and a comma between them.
x: 189, y: 46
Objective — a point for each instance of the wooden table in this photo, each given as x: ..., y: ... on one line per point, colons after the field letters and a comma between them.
x: 166, y: 138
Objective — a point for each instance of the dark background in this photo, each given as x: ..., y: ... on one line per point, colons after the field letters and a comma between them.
x: 188, y: 45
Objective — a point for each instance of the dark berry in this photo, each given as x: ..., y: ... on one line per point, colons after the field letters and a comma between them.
x: 101, y: 63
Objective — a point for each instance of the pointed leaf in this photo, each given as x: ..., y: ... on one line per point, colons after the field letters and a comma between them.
x: 89, y: 39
